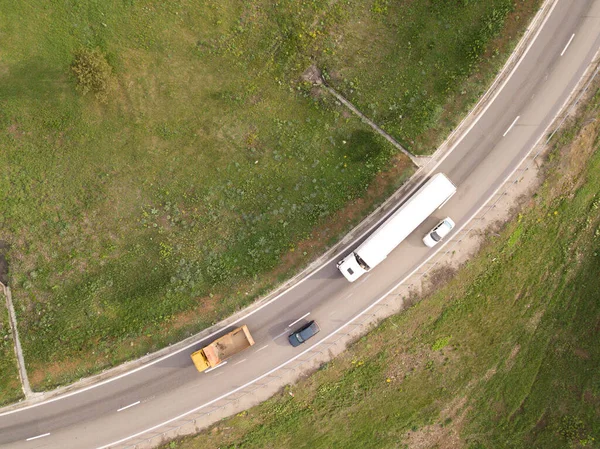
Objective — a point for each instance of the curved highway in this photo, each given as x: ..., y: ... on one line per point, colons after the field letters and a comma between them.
x: 112, y: 412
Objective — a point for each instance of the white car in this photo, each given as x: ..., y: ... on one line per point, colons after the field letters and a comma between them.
x: 441, y: 230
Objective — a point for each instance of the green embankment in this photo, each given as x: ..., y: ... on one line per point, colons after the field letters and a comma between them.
x: 10, y: 384
x: 212, y: 171
x: 504, y: 356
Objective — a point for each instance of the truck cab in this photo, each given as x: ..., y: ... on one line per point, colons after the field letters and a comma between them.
x: 351, y: 267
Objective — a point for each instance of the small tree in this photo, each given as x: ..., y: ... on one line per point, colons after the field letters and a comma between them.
x: 93, y: 73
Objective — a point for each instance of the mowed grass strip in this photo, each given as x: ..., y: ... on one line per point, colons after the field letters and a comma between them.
x: 210, y: 172
x: 505, y: 355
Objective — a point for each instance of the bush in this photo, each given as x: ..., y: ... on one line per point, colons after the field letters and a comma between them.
x: 93, y: 73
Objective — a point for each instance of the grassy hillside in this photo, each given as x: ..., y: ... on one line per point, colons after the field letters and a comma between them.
x: 207, y: 170
x: 505, y: 356
x: 10, y: 384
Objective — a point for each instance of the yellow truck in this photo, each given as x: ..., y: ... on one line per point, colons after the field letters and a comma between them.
x: 222, y: 348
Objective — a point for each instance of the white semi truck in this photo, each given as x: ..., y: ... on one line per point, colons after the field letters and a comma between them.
x: 431, y: 196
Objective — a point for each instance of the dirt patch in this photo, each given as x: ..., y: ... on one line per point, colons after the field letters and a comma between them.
x: 574, y: 157
x: 312, y: 75
x: 442, y: 435
x: 56, y: 370
x: 439, y: 277
x: 208, y: 308
x: 405, y: 363
x: 510, y: 362
x: 489, y: 374
x: 14, y: 131
x: 582, y: 354
x: 535, y: 320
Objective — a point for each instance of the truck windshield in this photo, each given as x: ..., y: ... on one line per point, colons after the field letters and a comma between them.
x: 362, y: 263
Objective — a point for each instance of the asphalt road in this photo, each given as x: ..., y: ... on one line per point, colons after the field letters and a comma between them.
x: 480, y: 162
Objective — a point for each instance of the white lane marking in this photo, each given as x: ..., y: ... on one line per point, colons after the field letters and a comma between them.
x: 488, y: 102
x: 511, y: 125
x: 299, y: 319
x: 281, y: 335
x: 340, y: 253
x: 215, y: 367
x: 374, y: 304
x: 241, y: 361
x: 260, y: 349
x: 332, y: 313
x: 217, y: 374
x: 567, y: 46
x: 327, y: 337
x: 39, y: 436
x: 127, y: 406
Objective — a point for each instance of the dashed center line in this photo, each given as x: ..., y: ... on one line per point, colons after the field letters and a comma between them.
x: 215, y: 367
x: 281, y: 335
x: 260, y: 349
x: 241, y: 361
x: 302, y: 317
x: 39, y: 436
x: 511, y: 125
x: 567, y: 46
x: 127, y: 406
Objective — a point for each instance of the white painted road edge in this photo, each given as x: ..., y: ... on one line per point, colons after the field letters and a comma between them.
x: 185, y: 348
x: 375, y: 303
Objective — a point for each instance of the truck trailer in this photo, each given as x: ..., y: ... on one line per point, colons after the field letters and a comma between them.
x: 222, y: 348
x: 431, y: 196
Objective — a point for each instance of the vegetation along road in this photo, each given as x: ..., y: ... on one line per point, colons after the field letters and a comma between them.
x: 118, y: 273
x: 505, y: 356
x: 207, y: 171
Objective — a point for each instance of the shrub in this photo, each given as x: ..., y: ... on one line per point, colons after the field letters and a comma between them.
x: 93, y: 73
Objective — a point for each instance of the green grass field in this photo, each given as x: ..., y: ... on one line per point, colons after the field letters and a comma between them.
x: 10, y: 384
x: 212, y: 171
x: 504, y: 356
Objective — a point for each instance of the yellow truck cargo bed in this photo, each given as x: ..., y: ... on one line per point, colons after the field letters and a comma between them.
x: 222, y: 348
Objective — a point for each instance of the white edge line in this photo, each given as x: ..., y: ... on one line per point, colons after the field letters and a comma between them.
x: 127, y: 406
x: 327, y: 337
x: 39, y: 436
x: 511, y: 125
x: 341, y: 327
x: 326, y: 263
x: 500, y: 89
x: 215, y: 367
x: 299, y: 319
x: 567, y: 46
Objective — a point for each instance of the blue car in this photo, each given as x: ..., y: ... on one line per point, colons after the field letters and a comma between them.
x: 307, y: 331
